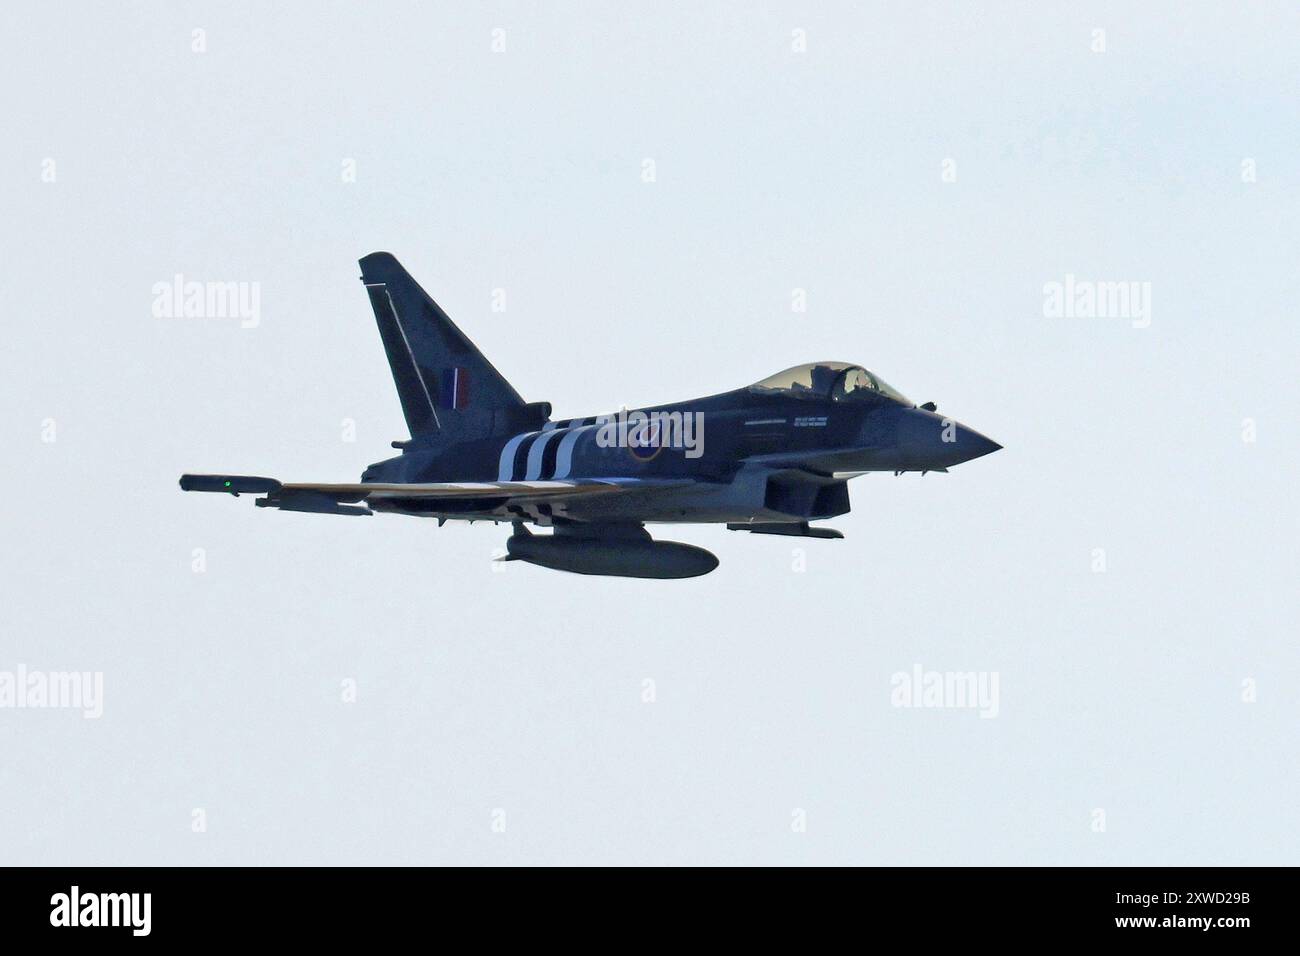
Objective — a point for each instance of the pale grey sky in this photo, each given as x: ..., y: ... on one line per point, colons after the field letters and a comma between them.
x: 776, y: 170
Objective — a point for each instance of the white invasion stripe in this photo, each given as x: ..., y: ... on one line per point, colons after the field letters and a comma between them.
x: 564, y: 454
x: 535, y: 453
x: 506, y: 465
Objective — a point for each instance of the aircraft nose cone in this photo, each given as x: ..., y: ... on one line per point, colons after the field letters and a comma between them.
x: 927, y: 440
x: 971, y: 444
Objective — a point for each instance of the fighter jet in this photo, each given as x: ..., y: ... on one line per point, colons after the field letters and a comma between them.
x: 767, y: 459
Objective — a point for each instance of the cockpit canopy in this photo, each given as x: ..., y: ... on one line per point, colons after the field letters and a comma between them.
x: 837, y: 381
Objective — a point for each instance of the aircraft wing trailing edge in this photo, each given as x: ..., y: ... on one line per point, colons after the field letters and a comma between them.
x: 352, y: 499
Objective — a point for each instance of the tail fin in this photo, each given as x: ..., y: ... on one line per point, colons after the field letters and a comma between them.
x: 445, y: 384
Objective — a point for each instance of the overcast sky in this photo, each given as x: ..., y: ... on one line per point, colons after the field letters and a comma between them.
x: 1124, y: 569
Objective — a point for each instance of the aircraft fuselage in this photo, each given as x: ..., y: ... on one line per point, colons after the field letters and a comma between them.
x: 757, y: 457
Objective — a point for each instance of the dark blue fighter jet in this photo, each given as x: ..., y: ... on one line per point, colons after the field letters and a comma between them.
x: 766, y: 459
